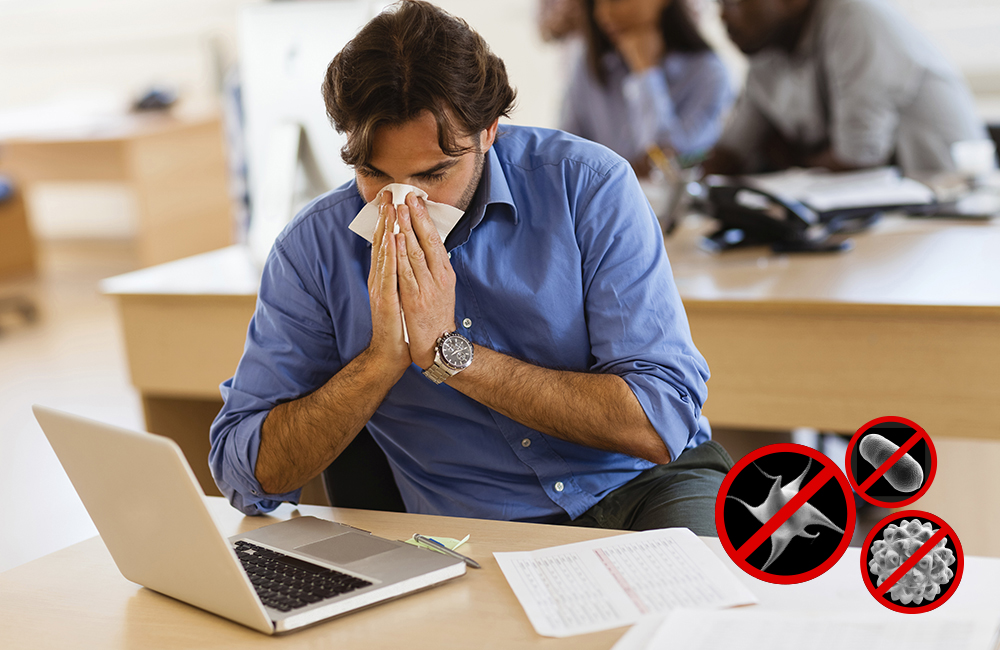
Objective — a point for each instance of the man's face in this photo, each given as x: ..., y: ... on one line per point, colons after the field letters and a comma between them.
x: 756, y: 24
x: 409, y: 153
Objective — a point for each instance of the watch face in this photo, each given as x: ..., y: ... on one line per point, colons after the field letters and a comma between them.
x: 456, y: 351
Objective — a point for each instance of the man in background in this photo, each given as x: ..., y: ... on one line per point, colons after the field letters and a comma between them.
x: 841, y: 84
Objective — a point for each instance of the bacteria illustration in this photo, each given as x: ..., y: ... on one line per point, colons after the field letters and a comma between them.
x: 906, y: 475
x: 925, y: 579
x: 794, y: 526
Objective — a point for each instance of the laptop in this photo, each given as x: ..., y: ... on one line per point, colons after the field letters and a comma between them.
x: 151, y: 514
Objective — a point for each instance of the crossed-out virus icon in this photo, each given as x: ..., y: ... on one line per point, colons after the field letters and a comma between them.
x: 785, y: 513
x: 912, y: 560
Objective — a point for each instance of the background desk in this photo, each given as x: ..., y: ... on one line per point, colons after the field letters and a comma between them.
x: 176, y: 168
x: 76, y: 598
x: 906, y: 324
x: 184, y: 324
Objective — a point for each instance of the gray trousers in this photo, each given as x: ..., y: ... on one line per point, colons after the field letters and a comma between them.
x: 681, y: 493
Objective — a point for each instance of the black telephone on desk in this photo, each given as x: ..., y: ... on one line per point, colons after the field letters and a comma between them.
x: 751, y: 217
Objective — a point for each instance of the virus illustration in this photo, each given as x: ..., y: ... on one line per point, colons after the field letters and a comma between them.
x: 794, y: 526
x: 923, y: 581
x: 906, y: 474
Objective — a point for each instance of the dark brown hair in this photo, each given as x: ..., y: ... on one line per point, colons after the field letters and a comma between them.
x: 677, y: 26
x: 415, y: 57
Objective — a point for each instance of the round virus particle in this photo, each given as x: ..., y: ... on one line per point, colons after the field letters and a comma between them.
x: 924, y: 580
x: 906, y: 475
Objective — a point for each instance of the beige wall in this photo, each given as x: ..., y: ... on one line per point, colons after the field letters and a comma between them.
x: 111, y: 50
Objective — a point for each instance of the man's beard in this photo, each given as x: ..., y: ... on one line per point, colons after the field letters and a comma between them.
x: 477, y: 174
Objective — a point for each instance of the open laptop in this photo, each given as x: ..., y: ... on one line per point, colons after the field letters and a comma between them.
x: 150, y: 511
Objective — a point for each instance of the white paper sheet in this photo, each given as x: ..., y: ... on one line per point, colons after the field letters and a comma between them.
x: 823, y: 190
x: 607, y: 583
x: 754, y: 628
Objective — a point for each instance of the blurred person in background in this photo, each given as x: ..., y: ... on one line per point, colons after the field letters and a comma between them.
x: 840, y: 84
x: 646, y: 82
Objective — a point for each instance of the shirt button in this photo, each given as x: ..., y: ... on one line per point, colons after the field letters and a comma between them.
x: 253, y: 492
x: 526, y: 442
x: 559, y: 486
x: 449, y: 255
x: 467, y: 323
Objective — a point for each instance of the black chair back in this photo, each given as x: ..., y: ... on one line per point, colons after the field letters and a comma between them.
x: 361, y: 478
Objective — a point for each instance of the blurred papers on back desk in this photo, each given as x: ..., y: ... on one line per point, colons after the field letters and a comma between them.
x: 826, y: 191
x: 607, y: 583
x: 754, y: 629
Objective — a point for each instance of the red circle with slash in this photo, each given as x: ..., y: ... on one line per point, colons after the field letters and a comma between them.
x: 862, y: 488
x: 881, y: 592
x: 828, y: 471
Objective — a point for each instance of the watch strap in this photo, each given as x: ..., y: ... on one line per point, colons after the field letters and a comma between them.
x: 438, y: 372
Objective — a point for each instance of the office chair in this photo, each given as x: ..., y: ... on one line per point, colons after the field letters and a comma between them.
x: 361, y: 478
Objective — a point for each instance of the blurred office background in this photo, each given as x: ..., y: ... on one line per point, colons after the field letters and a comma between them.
x: 65, y: 58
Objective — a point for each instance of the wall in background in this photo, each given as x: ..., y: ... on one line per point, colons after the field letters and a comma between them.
x: 112, y: 50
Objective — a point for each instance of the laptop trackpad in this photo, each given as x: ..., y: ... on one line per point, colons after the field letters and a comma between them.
x: 347, y: 548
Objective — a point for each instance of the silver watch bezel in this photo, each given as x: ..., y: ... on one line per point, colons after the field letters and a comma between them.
x: 439, y: 351
x: 442, y: 369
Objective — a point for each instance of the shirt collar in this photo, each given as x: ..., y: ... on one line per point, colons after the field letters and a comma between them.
x: 493, y: 190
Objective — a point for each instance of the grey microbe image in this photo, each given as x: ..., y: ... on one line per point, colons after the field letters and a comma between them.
x: 794, y: 526
x: 925, y: 580
x: 906, y: 475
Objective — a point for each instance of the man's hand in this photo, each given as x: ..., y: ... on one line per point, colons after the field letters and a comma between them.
x: 426, y: 280
x: 387, y: 344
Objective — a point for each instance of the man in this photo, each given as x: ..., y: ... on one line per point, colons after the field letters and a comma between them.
x: 584, y: 390
x: 841, y: 84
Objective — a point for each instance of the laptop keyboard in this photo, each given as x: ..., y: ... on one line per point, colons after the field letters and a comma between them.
x: 286, y: 583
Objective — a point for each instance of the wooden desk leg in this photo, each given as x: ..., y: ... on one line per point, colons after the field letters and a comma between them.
x: 187, y: 421
x: 17, y: 247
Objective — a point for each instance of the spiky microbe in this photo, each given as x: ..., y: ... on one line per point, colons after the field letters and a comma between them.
x: 906, y: 474
x: 923, y: 581
x: 795, y: 525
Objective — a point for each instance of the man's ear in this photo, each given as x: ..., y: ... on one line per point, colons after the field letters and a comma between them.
x: 489, y: 135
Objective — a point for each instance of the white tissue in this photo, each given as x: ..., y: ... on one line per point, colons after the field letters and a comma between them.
x: 443, y: 215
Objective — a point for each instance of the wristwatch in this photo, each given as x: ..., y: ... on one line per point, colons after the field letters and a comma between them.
x: 452, y: 355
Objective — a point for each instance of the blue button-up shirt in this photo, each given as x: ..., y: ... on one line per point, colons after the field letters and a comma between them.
x: 559, y: 261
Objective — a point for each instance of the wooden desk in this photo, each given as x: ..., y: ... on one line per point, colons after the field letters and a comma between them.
x: 905, y: 324
x: 175, y: 166
x: 76, y: 598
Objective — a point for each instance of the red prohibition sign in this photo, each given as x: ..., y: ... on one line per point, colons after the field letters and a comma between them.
x: 925, y: 574
x: 777, y: 520
x: 862, y: 489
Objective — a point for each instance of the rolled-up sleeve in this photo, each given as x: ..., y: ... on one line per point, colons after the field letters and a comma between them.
x: 289, y: 352
x: 635, y: 317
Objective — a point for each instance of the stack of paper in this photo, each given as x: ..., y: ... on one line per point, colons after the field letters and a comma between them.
x: 611, y: 582
x: 825, y: 191
x: 754, y: 628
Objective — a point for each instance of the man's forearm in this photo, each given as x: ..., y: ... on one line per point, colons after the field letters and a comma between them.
x: 299, y: 439
x: 596, y: 410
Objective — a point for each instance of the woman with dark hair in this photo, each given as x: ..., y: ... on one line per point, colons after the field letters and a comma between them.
x: 648, y: 82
